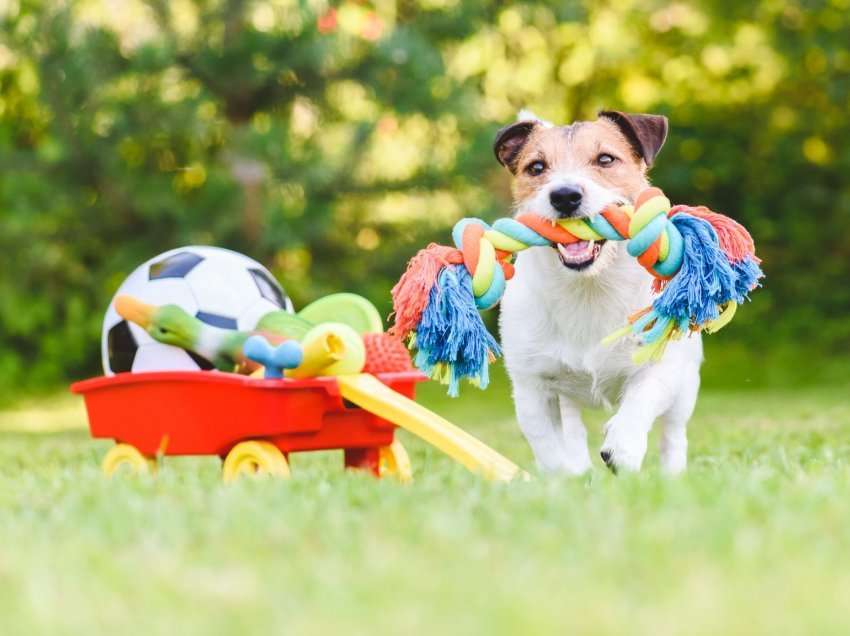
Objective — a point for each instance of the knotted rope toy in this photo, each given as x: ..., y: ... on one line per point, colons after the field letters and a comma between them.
x: 704, y: 265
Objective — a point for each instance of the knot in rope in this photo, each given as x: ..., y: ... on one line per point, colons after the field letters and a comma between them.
x: 488, y: 251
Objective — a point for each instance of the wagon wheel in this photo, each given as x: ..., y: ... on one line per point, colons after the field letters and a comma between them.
x: 254, y: 458
x: 126, y: 456
x: 394, y: 462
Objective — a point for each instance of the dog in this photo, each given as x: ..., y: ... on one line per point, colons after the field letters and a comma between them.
x: 564, y: 300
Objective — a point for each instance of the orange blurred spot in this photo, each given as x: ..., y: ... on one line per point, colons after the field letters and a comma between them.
x: 373, y: 27
x: 327, y: 23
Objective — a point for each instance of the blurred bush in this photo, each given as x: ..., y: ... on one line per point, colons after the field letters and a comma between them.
x: 331, y: 140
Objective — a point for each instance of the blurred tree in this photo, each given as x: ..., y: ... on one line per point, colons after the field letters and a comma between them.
x: 331, y: 140
x: 128, y: 128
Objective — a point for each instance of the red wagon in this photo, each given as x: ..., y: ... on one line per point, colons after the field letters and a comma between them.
x: 252, y: 424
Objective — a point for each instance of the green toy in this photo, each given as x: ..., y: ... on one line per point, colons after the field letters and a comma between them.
x: 349, y: 309
x: 284, y: 324
x: 171, y: 325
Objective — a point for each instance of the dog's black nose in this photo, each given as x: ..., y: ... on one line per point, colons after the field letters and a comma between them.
x: 566, y: 200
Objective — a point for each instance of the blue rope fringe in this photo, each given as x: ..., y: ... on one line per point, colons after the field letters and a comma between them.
x: 705, y: 280
x: 451, y: 335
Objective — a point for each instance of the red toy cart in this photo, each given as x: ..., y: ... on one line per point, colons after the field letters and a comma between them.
x: 253, y: 424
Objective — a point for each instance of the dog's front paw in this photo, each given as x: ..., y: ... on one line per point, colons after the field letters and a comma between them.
x: 623, y: 448
x: 576, y: 467
x: 566, y: 466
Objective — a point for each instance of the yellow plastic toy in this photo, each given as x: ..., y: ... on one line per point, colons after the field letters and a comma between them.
x: 369, y: 393
x: 336, y: 349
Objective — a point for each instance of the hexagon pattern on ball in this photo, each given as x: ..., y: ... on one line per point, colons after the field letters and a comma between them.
x: 121, y: 347
x: 218, y: 286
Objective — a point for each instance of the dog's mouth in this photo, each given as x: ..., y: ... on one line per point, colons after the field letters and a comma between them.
x: 580, y: 254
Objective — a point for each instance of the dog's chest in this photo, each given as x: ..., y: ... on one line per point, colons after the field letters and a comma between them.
x: 578, y: 364
x: 556, y: 334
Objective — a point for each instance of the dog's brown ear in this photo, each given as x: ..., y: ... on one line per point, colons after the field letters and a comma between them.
x: 646, y: 133
x: 510, y: 140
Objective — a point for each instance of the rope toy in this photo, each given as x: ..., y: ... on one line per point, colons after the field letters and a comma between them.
x: 703, y: 263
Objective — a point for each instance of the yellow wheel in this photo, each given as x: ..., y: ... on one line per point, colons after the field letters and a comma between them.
x: 125, y: 456
x: 254, y: 458
x: 394, y: 462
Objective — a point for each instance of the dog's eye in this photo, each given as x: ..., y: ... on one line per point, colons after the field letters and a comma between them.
x: 535, y: 168
x: 605, y: 160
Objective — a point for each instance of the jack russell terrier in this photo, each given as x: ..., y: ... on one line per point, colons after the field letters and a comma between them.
x: 563, y: 301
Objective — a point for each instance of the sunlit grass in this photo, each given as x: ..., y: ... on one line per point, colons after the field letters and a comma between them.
x: 751, y: 540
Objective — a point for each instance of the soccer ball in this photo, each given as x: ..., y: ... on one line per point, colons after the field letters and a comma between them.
x: 219, y: 287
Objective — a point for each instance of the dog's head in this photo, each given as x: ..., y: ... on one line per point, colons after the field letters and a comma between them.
x: 577, y: 170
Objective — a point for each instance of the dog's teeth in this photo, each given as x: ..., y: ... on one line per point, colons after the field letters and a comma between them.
x: 576, y: 253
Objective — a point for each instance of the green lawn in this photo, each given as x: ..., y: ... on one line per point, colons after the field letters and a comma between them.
x: 754, y: 539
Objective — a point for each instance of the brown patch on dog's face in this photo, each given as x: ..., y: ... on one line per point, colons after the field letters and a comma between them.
x: 598, y: 150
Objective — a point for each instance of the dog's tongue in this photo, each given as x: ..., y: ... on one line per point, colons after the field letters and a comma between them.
x: 576, y: 253
x: 579, y: 248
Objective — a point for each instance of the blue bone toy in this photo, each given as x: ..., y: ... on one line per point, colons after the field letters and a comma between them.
x: 286, y: 355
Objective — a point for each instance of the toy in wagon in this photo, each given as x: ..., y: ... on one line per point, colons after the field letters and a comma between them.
x: 203, y: 354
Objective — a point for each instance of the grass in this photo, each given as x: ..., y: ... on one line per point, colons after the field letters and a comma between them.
x: 753, y: 540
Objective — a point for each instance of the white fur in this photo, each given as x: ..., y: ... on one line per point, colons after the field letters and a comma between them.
x: 552, y: 321
x: 527, y: 115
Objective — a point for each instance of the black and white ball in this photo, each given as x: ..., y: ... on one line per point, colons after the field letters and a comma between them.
x: 218, y: 286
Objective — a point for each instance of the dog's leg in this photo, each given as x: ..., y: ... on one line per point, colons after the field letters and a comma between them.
x: 537, y: 414
x: 646, y: 397
x: 576, y: 457
x: 674, y: 423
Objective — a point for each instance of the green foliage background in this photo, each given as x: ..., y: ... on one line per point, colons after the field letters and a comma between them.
x: 332, y: 140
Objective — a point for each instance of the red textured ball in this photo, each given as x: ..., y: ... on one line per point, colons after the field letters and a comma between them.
x: 385, y: 354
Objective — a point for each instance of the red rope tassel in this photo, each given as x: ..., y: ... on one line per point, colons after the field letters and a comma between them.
x: 411, y: 292
x: 733, y: 237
